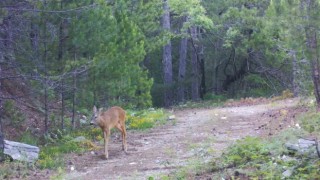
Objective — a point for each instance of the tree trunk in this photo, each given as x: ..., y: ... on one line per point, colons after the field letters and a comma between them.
x: 312, y: 47
x: 167, y: 59
x: 45, y: 57
x: 74, y: 82
x: 295, y: 74
x: 195, y: 90
x: 182, y: 68
x: 60, y: 60
x: 203, y: 77
x: 315, y: 70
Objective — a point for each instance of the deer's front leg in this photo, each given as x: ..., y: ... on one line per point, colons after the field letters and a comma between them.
x: 106, y: 134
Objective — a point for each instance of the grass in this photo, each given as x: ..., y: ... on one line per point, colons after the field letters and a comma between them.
x: 18, y: 169
x: 310, y: 122
x: 56, y: 144
x: 266, y: 159
x: 146, y: 119
x: 253, y: 157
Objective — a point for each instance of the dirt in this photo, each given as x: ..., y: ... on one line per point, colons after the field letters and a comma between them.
x: 196, y: 134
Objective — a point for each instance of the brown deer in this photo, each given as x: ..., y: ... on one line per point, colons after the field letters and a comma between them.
x: 106, y: 120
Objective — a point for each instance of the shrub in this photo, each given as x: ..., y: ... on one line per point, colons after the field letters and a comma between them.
x: 249, y: 150
x: 214, y: 97
x: 28, y: 138
x: 310, y: 122
x: 267, y: 159
x: 145, y: 119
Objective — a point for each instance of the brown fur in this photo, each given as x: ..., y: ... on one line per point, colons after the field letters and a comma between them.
x: 112, y: 118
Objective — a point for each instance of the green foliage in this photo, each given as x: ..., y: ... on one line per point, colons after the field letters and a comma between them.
x: 28, y: 138
x: 16, y: 169
x: 195, y: 12
x: 117, y: 48
x: 249, y: 150
x: 215, y: 97
x: 310, y: 122
x: 268, y: 159
x: 254, y: 86
x: 145, y: 119
x: 12, y: 113
x: 60, y: 174
x: 52, y: 154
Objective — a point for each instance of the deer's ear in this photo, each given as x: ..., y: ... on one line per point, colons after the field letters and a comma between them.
x: 94, y: 109
x: 100, y: 110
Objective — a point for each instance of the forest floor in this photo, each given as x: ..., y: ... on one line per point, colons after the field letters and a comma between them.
x: 196, y: 134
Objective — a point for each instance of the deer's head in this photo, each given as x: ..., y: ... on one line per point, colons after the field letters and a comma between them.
x: 95, y: 116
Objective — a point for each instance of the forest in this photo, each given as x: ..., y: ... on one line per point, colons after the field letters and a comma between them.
x: 59, y: 58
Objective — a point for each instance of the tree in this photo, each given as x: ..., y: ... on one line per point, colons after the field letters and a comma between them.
x: 116, y: 77
x: 167, y: 58
x: 182, y: 63
x: 194, y: 19
x: 310, y: 8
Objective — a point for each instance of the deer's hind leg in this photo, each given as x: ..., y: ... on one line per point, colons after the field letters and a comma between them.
x: 122, y: 128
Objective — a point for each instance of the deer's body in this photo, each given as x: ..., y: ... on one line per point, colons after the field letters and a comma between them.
x: 106, y: 120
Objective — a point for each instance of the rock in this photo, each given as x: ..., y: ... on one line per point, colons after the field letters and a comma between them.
x: 304, y: 143
x: 303, y: 147
x: 287, y: 173
x: 83, y: 121
x: 79, y: 139
x: 172, y: 117
x: 21, y: 151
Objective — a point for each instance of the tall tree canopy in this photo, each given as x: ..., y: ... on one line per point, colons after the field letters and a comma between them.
x: 72, y: 54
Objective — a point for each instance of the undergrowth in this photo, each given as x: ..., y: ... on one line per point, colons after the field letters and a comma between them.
x: 257, y: 158
x: 55, y: 144
x: 209, y: 100
x: 145, y: 119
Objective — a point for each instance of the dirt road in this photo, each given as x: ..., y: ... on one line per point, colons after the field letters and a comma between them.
x: 196, y: 134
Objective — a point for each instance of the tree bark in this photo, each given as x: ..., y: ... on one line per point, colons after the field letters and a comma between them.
x: 312, y: 47
x: 167, y: 59
x: 45, y: 57
x: 74, y: 82
x: 295, y: 74
x: 195, y: 85
x: 182, y: 67
x: 203, y: 77
x: 315, y: 70
x: 60, y: 56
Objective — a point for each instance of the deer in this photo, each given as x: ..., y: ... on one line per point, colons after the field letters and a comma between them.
x: 112, y: 118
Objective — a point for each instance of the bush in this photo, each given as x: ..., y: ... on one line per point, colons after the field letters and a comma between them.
x: 214, y: 97
x: 28, y: 138
x: 310, y: 122
x: 259, y: 159
x: 249, y: 150
x: 51, y: 157
x: 145, y: 119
